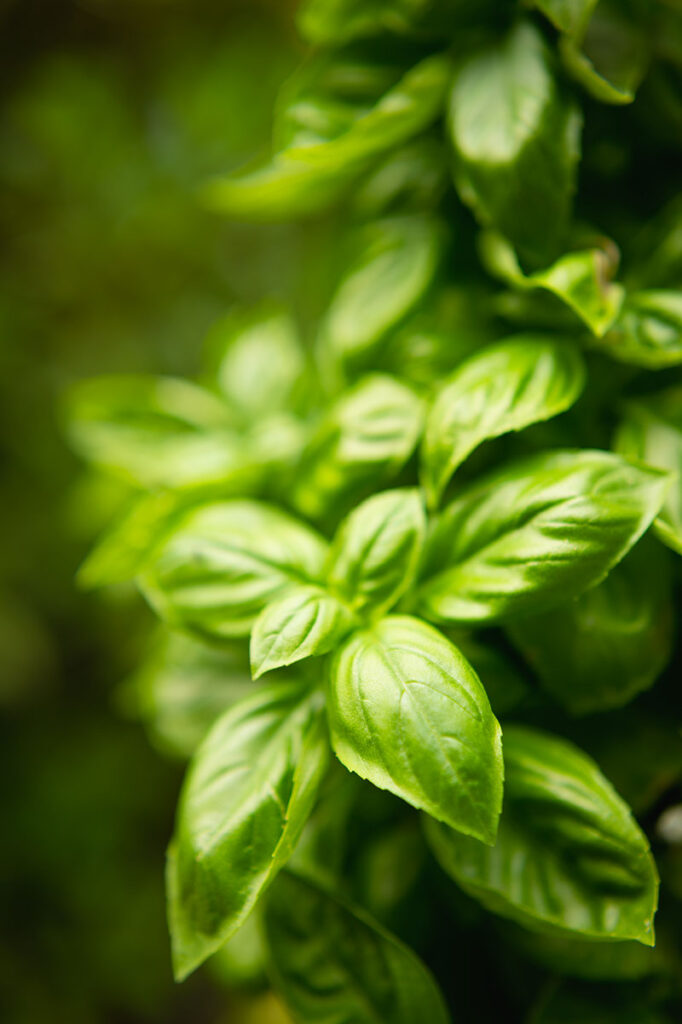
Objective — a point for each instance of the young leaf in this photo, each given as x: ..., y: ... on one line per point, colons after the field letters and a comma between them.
x: 409, y: 713
x: 652, y: 433
x: 376, y: 550
x: 569, y: 857
x: 365, y: 439
x: 535, y: 534
x: 610, y: 643
x: 244, y: 803
x: 648, y: 331
x: 157, y: 432
x: 333, y: 963
x: 183, y: 686
x: 336, y: 118
x: 581, y: 280
x: 223, y: 562
x: 257, y: 360
x: 609, y: 57
x: 305, y: 620
x: 396, y: 262
x: 569, y: 16
x: 505, y: 387
x: 516, y: 143
x: 330, y: 22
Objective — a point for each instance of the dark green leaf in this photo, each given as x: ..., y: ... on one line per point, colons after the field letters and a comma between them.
x: 516, y: 143
x: 652, y: 432
x: 223, y: 562
x: 248, y: 794
x: 333, y: 963
x: 506, y: 387
x: 610, y: 643
x: 376, y: 550
x: 535, y: 534
x: 305, y: 620
x: 569, y: 857
x: 409, y: 713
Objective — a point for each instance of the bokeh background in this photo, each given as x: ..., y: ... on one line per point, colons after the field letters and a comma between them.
x: 112, y: 114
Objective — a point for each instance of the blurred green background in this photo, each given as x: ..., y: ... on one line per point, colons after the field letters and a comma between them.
x: 112, y: 113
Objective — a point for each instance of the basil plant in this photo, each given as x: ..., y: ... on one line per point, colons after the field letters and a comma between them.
x: 413, y: 535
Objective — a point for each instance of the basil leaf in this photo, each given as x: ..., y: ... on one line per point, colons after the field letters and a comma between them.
x: 257, y: 360
x: 223, y: 562
x: 246, y: 798
x: 157, y: 432
x: 395, y: 264
x: 183, y: 686
x: 516, y: 143
x: 610, y: 59
x: 333, y: 963
x: 365, y: 439
x: 581, y: 280
x: 411, y: 178
x: 569, y: 857
x: 535, y: 534
x: 121, y: 552
x: 652, y: 432
x: 648, y: 331
x: 506, y: 387
x: 330, y: 22
x: 338, y: 115
x: 376, y: 550
x: 408, y: 713
x: 609, y: 644
x: 306, y: 620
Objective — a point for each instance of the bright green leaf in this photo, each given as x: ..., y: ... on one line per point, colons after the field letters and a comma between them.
x: 569, y: 857
x: 377, y: 548
x: 223, y: 562
x: 336, y: 118
x: 516, y: 143
x: 248, y: 793
x: 333, y: 963
x: 652, y: 432
x: 610, y: 643
x: 648, y: 331
x: 581, y: 280
x: 505, y: 387
x: 396, y: 261
x: 365, y: 439
x: 535, y: 534
x: 409, y: 713
x: 305, y: 620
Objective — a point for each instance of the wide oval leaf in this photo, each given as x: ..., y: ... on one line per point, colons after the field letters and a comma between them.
x: 569, y: 857
x: 408, y: 712
x: 333, y: 963
x: 221, y: 563
x: 244, y: 803
x: 515, y: 139
x: 535, y: 534
x: 376, y: 550
x: 506, y: 387
x: 609, y: 644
